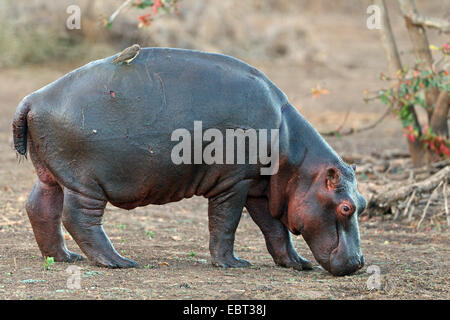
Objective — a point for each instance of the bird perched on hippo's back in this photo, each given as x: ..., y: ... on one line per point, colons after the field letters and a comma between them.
x: 128, y: 54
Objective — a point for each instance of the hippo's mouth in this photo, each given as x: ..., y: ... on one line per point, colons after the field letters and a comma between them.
x: 295, y: 232
x: 326, y: 263
x: 324, y: 258
x: 337, y: 243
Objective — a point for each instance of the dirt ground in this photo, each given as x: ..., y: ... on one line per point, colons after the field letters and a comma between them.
x: 170, y: 242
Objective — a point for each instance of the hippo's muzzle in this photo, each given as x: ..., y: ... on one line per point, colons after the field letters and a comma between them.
x: 341, y: 264
x: 347, y: 257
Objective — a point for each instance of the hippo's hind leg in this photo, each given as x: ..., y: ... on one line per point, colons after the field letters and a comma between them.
x: 277, y: 236
x: 224, y: 213
x: 82, y: 217
x: 44, y: 209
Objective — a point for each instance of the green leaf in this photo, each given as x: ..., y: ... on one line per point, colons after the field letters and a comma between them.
x: 144, y: 4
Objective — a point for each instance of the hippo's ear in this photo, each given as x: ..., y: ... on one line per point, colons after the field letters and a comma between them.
x: 332, y: 178
x: 354, y: 167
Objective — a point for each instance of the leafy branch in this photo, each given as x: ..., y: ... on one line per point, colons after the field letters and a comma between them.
x: 145, y: 20
x: 409, y: 90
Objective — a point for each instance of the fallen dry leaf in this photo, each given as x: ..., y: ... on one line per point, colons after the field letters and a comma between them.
x: 316, y: 92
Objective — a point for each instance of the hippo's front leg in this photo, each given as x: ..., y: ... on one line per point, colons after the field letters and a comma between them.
x: 82, y: 217
x: 277, y: 236
x: 224, y: 213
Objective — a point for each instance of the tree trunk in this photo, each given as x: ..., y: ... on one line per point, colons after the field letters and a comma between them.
x: 419, y: 155
x: 416, y: 149
x: 421, y: 47
x: 438, y: 121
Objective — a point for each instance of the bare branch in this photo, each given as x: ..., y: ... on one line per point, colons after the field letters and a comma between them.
x: 350, y: 131
x: 444, y: 191
x: 385, y: 199
x: 428, y: 204
x: 431, y: 22
x: 417, y: 34
x: 116, y: 13
x: 388, y: 41
x: 345, y: 119
x: 405, y: 212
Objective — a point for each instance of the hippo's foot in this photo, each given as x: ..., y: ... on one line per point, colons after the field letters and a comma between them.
x: 68, y: 256
x: 82, y: 217
x: 230, y: 262
x: 277, y: 235
x: 286, y: 256
x: 114, y: 262
x: 296, y: 262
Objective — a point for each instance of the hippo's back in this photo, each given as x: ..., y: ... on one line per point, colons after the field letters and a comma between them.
x: 107, y: 125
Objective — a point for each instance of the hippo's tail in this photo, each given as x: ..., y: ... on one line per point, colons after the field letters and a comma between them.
x: 20, y: 127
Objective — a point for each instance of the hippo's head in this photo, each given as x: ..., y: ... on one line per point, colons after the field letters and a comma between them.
x: 322, y: 203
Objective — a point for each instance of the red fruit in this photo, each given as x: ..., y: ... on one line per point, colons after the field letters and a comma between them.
x: 447, y: 151
x: 156, y: 6
x: 446, y: 47
x: 443, y: 149
x: 145, y: 19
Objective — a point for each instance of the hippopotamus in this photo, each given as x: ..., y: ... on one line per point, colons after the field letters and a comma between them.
x: 103, y: 133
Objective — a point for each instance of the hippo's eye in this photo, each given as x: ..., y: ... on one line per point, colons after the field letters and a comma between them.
x: 345, y: 209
